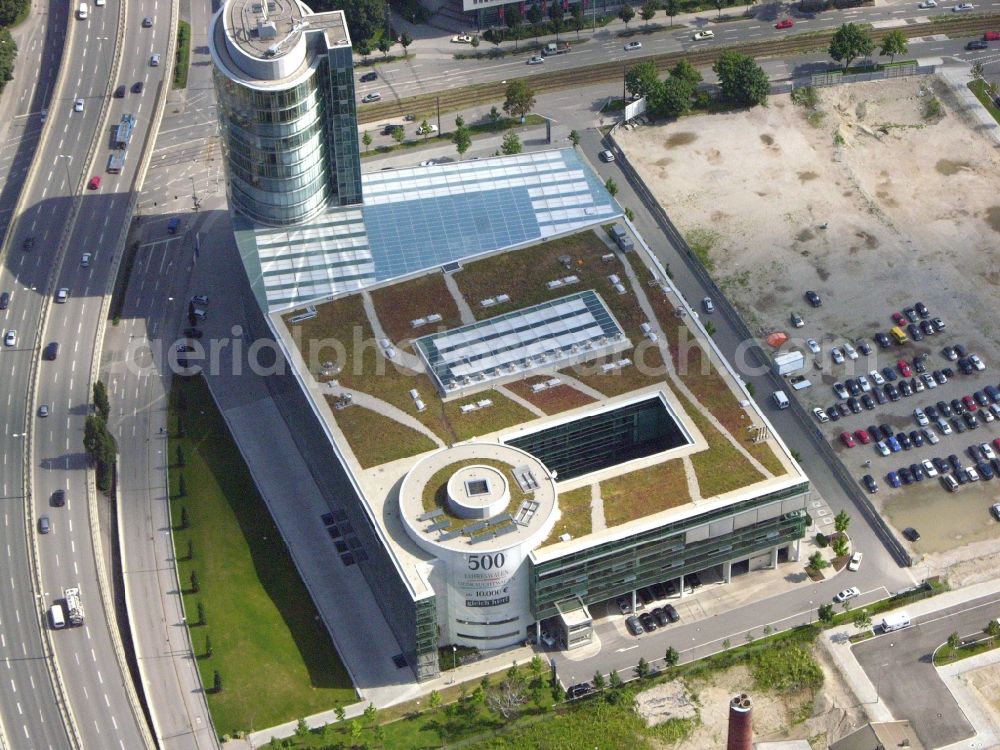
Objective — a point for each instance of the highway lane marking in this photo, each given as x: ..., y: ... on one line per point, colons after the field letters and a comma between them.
x: 57, y: 559
x: 13, y: 687
x: 99, y: 677
x: 93, y: 655
x: 106, y: 701
x: 75, y: 571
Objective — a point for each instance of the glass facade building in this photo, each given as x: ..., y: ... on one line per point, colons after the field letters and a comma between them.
x: 285, y: 85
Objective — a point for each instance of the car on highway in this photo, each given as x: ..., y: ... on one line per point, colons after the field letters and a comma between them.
x: 200, y: 299
x: 426, y: 129
x: 849, y: 593
x: 154, y: 61
x: 963, y: 7
x: 371, y: 75
x: 147, y: 22
x: 374, y: 96
x: 855, y: 562
x: 51, y: 352
x: 632, y: 46
x: 462, y: 39
x: 58, y: 498
x: 784, y: 23
x: 138, y: 87
x: 607, y: 156
x: 121, y: 91
x: 62, y: 295
x: 78, y: 105
x: 44, y: 525
x: 536, y: 60
x: 702, y: 35
x: 43, y: 115
x: 85, y: 260
x: 428, y: 163
x: 95, y: 182
x: 11, y: 338
x: 928, y: 4
x: 43, y: 411
x: 4, y: 300
x: 29, y: 242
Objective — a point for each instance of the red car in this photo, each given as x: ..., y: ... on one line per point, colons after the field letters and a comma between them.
x: 95, y: 182
x: 970, y: 403
x: 996, y: 443
x: 784, y: 23
x: 992, y: 36
x: 904, y: 368
x: 899, y: 319
x: 847, y: 439
x: 862, y: 436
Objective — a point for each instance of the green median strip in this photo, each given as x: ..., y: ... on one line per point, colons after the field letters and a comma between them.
x: 183, y: 54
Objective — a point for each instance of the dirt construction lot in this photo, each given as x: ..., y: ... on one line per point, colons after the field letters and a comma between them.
x: 873, y: 205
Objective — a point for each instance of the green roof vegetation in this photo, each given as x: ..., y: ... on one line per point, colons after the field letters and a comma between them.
x: 399, y: 304
x: 259, y: 618
x: 376, y: 439
x: 552, y: 400
x: 644, y: 492
x: 436, y: 490
x: 575, y: 519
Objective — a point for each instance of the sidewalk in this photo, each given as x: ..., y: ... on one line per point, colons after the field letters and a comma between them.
x: 958, y: 77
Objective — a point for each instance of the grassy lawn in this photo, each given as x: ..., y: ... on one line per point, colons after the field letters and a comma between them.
x: 503, y: 413
x: 644, y: 492
x: 398, y: 304
x: 946, y: 654
x: 552, y: 400
x: 575, y: 518
x: 258, y: 614
x: 436, y: 490
x: 183, y: 54
x: 480, y: 128
x: 625, y: 379
x: 979, y: 89
x: 721, y: 468
x: 375, y: 438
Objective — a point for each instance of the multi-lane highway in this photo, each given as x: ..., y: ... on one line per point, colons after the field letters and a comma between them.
x: 74, y: 148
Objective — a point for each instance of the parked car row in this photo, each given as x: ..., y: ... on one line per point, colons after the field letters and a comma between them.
x: 952, y: 472
x: 647, y: 622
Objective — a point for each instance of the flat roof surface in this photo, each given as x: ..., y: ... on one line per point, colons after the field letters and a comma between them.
x: 244, y: 18
x: 421, y: 217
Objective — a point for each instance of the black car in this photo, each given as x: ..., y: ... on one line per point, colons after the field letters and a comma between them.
x: 193, y: 333
x: 648, y: 622
x: 889, y: 373
x: 874, y: 432
x: 947, y: 372
x: 813, y: 299
x: 868, y: 402
x: 672, y: 613
x: 578, y: 691
x: 853, y: 387
x: 957, y: 424
x: 956, y: 464
x: 932, y: 413
x: 883, y: 340
x: 922, y: 310
x: 918, y: 472
x: 957, y: 406
x: 965, y: 365
x: 993, y: 392
x: 138, y: 87
x: 633, y: 625
x: 646, y: 596
x: 961, y: 351
x: 944, y: 408
x: 693, y: 580
x: 949, y: 353
x: 869, y: 483
x: 904, y: 441
x: 51, y: 351
x: 917, y: 438
x: 886, y: 431
x: 981, y: 398
x: 661, y: 617
x: 120, y: 91
x: 390, y: 129
x: 369, y: 76
x: 659, y: 591
x: 879, y: 395
x: 939, y: 377
x: 29, y: 242
x: 977, y: 44
x: 927, y: 328
x: 940, y: 464
x: 892, y: 392
x: 973, y: 451
x: 833, y: 413
x: 59, y: 498
x: 911, y: 534
x: 905, y: 388
x: 961, y: 477
x: 920, y: 363
x: 904, y: 475
x: 914, y: 330
x: 864, y: 347
x: 970, y: 420
x: 911, y: 314
x: 4, y: 300
x: 938, y: 324
x: 854, y: 405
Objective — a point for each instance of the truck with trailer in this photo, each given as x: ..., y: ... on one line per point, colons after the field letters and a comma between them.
x: 124, y: 130
x: 556, y: 48
x: 74, y: 606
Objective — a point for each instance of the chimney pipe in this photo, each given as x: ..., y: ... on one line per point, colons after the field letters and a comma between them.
x: 740, y: 723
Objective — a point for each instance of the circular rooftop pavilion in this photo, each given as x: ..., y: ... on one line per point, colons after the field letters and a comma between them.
x: 477, y: 497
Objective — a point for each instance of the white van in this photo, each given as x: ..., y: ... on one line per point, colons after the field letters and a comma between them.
x: 56, y: 617
x: 83, y: 11
x: 895, y: 621
x: 780, y: 399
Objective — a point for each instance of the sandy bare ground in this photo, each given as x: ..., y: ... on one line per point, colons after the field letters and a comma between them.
x: 834, y: 712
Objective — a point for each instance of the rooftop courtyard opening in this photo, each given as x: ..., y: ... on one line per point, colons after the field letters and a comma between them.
x: 604, y: 439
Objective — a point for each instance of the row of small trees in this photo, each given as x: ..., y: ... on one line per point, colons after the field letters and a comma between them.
x: 98, y: 442
x: 852, y: 41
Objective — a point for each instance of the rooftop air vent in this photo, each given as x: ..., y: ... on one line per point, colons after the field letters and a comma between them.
x: 266, y: 29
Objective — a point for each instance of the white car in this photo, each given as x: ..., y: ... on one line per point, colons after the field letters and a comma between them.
x: 708, y: 305
x: 876, y: 377
x: 838, y: 356
x: 820, y: 415
x: 929, y: 468
x: 866, y: 387
x: 972, y: 474
x: 607, y: 156
x: 633, y: 46
x: 928, y: 4
x: 11, y: 338
x: 428, y: 163
x: 62, y: 295
x: 707, y: 34
x: 944, y: 426
x: 78, y: 105
x: 813, y: 346
x: 855, y: 562
x: 85, y: 260
x: 963, y: 6
x: 430, y: 128
x: 929, y: 380
x: 987, y: 451
x: 536, y: 60
x: 921, y: 418
x: 461, y: 39
x: 850, y: 351
x: 374, y: 96
x: 846, y: 594
x: 977, y: 362
x: 882, y: 448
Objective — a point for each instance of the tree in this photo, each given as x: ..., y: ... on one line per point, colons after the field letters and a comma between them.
x: 534, y: 18
x: 364, y: 49
x: 301, y: 729
x: 185, y: 521
x: 862, y: 620
x: 627, y: 13
x: 537, y: 666
x: 556, y: 14
x: 954, y: 641
x: 474, y: 42
x: 642, y: 669
x: 379, y: 734
x: 462, y: 139
x: 356, y: 730
x: 894, y: 43
x: 598, y: 681
x: 190, y: 552
x: 741, y: 79
x: 670, y: 7
x: 425, y: 129
x: 405, y: 41
x: 181, y: 486
x: 515, y: 21
x: 519, y: 99
x: 511, y: 144
x: 365, y: 18
x: 614, y: 680
x: 367, y: 140
x: 494, y: 115
x: 718, y: 6
x: 195, y: 587
x: 849, y: 42
x: 841, y: 521
x: 826, y: 613
x: 574, y: 138
x: 201, y: 613
x: 508, y: 698
x: 371, y: 714
x: 217, y: 682
x: 976, y: 71
x: 578, y: 18
x: 558, y: 692
x: 685, y: 71
x: 642, y: 79
x: 611, y: 187
x: 340, y: 713
x: 671, y: 657
x: 816, y: 561
x: 384, y: 45
x: 101, y: 402
x: 839, y: 545
x: 435, y: 699
x: 726, y: 644
x: 398, y: 134
x: 993, y: 628
x: 648, y: 10
x: 179, y: 453
x: 671, y: 98
x: 460, y: 122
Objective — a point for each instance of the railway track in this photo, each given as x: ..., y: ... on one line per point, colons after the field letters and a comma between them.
x: 463, y: 97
